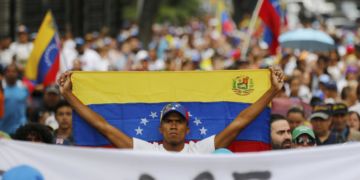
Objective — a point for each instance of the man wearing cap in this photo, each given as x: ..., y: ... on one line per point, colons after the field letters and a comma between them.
x: 22, y: 47
x: 321, y: 122
x: 303, y: 136
x: 339, y: 118
x: 174, y: 122
x: 45, y: 112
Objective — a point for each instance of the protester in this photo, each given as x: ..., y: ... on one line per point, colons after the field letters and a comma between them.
x: 45, y: 112
x: 15, y: 101
x: 296, y: 117
x: 34, y: 132
x: 173, y: 122
x: 321, y: 124
x: 63, y: 115
x: 340, y: 116
x: 354, y: 120
x: 280, y: 132
x: 22, y: 47
x: 303, y: 136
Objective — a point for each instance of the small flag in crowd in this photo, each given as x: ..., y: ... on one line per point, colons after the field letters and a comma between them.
x: 270, y: 13
x: 43, y: 63
x: 226, y: 25
x: 132, y: 101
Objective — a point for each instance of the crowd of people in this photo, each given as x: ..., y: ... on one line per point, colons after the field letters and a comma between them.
x: 318, y: 104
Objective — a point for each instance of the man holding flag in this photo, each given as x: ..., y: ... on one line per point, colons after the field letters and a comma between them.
x: 173, y: 122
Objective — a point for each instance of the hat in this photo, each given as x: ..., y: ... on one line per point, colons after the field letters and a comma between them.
x: 174, y: 107
x: 351, y: 69
x: 300, y: 130
x: 79, y: 41
x: 141, y: 55
x: 331, y: 85
x: 22, y: 172
x: 52, y: 89
x: 324, y: 78
x: 320, y: 115
x: 339, y: 108
x: 22, y: 29
x: 321, y: 111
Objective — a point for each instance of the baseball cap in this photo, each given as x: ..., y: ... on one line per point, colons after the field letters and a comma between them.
x: 339, y: 108
x: 22, y: 29
x: 300, y: 130
x: 324, y: 78
x: 174, y: 107
x: 52, y: 89
x: 331, y: 85
x: 321, y: 111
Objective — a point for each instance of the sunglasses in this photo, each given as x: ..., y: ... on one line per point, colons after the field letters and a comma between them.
x: 303, y: 141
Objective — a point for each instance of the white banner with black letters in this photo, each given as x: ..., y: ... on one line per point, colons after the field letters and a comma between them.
x: 58, y: 162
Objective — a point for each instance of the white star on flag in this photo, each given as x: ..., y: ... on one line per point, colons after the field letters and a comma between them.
x: 153, y: 115
x: 203, y: 131
x: 144, y: 121
x: 138, y: 131
x: 189, y: 114
x: 197, y: 121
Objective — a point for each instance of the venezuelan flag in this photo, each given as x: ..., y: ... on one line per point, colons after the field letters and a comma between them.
x: 43, y: 63
x: 226, y: 25
x: 271, y: 13
x: 132, y: 101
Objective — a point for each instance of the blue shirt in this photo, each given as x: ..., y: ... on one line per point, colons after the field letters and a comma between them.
x: 15, y: 107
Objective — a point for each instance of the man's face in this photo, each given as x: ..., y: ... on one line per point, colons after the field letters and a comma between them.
x: 23, y: 37
x: 295, y: 119
x: 280, y: 135
x: 11, y: 75
x: 64, y: 117
x: 51, y: 99
x: 174, y: 128
x: 354, y: 121
x: 339, y: 121
x: 320, y: 126
x: 304, y: 140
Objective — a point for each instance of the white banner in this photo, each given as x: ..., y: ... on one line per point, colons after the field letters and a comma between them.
x: 336, y: 162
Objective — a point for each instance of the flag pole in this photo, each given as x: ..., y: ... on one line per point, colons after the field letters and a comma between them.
x: 251, y: 28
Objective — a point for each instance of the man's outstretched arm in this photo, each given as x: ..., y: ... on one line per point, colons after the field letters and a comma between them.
x: 114, y: 135
x: 245, y: 117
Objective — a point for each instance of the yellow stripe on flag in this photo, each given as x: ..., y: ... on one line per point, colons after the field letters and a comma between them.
x: 185, y: 86
x: 43, y: 38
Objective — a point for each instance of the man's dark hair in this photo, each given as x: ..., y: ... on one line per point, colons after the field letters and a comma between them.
x: 345, y: 92
x: 6, y: 68
x: 61, y: 104
x: 316, y: 101
x: 40, y: 132
x: 296, y: 110
x: 276, y: 117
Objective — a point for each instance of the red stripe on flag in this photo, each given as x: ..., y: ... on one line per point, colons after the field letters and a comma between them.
x: 237, y: 146
x: 51, y: 75
x: 249, y: 146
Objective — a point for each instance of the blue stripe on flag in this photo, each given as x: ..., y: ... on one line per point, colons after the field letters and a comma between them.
x: 142, y: 120
x: 47, y: 60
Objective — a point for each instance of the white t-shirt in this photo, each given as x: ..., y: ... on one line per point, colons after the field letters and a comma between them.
x: 204, y: 146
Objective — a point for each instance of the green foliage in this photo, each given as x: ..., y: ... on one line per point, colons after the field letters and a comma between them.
x: 177, y: 11
x: 129, y: 11
x: 174, y: 11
